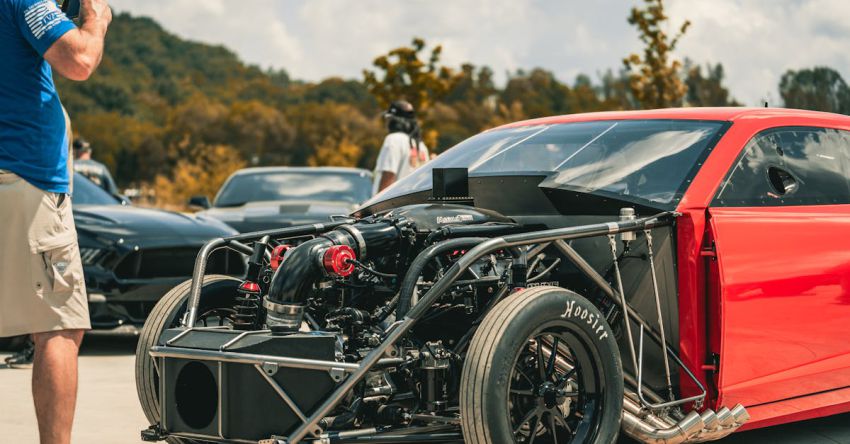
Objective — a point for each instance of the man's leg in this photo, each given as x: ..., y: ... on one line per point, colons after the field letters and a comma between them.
x: 54, y: 383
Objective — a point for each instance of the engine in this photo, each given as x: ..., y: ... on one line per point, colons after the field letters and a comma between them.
x: 331, y: 297
x: 351, y: 282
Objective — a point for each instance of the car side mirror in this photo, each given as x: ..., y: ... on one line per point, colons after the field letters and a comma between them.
x: 202, y: 202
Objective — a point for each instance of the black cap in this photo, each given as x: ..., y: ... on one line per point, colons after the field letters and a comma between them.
x: 81, y: 144
x: 401, y: 108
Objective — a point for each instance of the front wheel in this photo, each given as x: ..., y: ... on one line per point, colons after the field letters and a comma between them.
x: 218, y: 296
x: 542, y: 368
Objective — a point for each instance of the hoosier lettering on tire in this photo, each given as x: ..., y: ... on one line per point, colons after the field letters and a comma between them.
x: 542, y: 367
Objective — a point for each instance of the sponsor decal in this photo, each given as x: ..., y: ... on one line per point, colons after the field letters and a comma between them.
x: 460, y: 218
x: 543, y: 284
x: 581, y: 314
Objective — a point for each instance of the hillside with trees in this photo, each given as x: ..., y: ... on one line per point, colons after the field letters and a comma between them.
x: 178, y: 116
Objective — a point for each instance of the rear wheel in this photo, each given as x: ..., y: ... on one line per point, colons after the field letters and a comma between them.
x: 218, y: 295
x: 543, y: 367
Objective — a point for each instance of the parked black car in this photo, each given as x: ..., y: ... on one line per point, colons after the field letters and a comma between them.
x: 255, y: 199
x: 132, y: 255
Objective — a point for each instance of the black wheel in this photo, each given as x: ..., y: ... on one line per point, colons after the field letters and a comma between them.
x: 517, y: 390
x: 216, y: 308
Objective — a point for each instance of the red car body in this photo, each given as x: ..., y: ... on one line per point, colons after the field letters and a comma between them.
x: 765, y: 289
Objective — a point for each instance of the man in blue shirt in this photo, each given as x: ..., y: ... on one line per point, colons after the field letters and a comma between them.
x: 42, y: 291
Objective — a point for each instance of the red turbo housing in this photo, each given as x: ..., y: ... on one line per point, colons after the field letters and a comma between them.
x: 338, y: 261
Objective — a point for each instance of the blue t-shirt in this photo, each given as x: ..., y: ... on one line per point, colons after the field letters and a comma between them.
x: 33, y: 139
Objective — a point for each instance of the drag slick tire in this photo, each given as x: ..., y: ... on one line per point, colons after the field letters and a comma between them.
x: 218, y: 295
x: 515, y: 390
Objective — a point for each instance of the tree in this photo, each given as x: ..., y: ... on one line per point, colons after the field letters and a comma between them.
x: 654, y: 79
x: 203, y: 173
x: 336, y: 153
x: 819, y: 89
x: 539, y: 93
x: 706, y: 90
x: 402, y: 74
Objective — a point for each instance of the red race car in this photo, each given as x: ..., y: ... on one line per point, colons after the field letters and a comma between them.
x: 672, y: 275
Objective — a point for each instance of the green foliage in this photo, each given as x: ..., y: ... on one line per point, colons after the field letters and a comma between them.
x: 655, y: 77
x: 402, y: 74
x: 818, y: 89
x: 708, y: 89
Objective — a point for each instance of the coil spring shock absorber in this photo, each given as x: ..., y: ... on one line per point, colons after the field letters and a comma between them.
x: 248, y: 299
x: 247, y: 306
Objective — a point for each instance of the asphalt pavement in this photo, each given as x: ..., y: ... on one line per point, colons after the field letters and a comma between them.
x: 108, y: 412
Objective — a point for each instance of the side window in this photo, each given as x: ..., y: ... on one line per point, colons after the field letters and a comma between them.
x: 789, y: 166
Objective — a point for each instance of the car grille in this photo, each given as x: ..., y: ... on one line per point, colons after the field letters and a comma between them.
x: 176, y: 263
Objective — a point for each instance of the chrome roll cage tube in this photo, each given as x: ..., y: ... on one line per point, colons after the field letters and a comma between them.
x: 522, y: 246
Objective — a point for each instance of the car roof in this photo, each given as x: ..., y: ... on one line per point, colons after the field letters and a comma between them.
x: 289, y: 169
x: 724, y: 114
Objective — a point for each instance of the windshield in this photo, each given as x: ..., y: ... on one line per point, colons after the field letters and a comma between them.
x: 646, y: 161
x: 87, y: 193
x: 350, y: 188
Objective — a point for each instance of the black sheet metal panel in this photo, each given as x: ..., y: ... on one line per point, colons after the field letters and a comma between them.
x: 247, y: 407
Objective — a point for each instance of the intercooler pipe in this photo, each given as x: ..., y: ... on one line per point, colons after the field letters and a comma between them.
x: 408, y: 284
x: 303, y: 267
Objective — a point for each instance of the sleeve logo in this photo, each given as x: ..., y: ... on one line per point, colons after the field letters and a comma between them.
x: 41, y: 17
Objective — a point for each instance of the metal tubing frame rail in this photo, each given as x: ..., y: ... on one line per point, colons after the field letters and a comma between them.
x: 401, y: 327
x: 356, y: 372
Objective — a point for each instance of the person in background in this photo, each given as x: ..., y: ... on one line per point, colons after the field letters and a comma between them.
x: 92, y: 169
x: 403, y: 150
x: 42, y: 290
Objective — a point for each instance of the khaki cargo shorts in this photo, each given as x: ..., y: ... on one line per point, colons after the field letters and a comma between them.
x: 41, y: 275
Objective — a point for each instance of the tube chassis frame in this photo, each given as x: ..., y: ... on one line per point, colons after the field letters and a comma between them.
x: 349, y: 374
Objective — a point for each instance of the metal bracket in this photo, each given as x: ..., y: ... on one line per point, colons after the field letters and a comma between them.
x: 336, y: 374
x: 270, y: 368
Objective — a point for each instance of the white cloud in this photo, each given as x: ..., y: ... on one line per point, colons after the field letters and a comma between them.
x: 756, y: 40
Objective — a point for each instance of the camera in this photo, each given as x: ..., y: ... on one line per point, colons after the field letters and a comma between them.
x: 71, y: 8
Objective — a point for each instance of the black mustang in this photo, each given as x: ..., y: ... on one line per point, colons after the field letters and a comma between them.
x: 132, y: 256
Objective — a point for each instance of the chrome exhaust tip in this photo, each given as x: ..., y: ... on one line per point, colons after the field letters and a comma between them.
x: 728, y: 421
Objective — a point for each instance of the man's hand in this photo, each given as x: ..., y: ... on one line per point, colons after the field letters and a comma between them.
x: 95, y: 13
x: 78, y: 53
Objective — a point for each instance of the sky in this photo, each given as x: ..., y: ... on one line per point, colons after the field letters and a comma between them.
x: 755, y: 40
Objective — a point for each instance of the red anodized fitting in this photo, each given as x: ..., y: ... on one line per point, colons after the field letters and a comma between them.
x: 277, y: 256
x: 337, y: 260
x: 249, y: 287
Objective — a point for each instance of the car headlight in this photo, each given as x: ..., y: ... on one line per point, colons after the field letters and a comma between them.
x: 90, y: 255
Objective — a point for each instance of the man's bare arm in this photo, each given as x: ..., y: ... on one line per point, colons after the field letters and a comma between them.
x: 78, y: 53
x: 387, y: 179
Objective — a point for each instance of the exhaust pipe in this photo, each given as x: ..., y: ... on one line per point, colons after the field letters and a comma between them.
x: 732, y: 420
x: 653, y: 429
x: 679, y: 433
